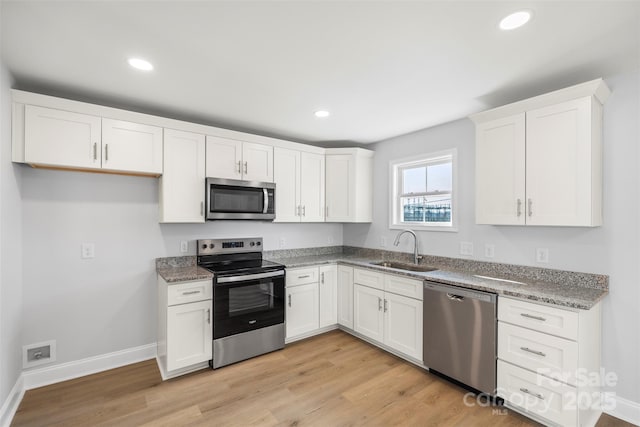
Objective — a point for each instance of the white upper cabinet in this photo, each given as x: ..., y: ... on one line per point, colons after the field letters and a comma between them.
x: 233, y: 159
x: 299, y: 179
x: 539, y: 161
x: 61, y: 138
x: 182, y: 184
x: 57, y: 138
x: 131, y: 147
x: 349, y: 185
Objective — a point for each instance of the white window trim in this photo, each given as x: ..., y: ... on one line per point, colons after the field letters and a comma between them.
x: 393, y: 191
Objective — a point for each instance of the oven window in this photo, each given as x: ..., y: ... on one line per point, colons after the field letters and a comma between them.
x: 236, y: 199
x: 251, y: 299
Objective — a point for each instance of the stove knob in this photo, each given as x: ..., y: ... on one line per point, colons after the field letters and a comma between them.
x: 204, y: 246
x: 212, y: 245
x: 252, y: 244
x: 258, y: 243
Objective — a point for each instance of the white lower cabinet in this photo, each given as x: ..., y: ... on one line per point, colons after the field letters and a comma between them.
x: 185, y: 331
x: 345, y: 296
x: 328, y: 291
x: 387, y: 317
x: 549, y: 362
x: 302, y: 309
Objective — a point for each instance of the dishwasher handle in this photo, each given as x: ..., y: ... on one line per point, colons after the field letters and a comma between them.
x: 455, y: 293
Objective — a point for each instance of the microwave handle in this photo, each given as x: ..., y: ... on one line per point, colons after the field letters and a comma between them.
x: 265, y: 209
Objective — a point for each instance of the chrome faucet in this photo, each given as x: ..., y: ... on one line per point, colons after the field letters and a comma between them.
x: 396, y: 242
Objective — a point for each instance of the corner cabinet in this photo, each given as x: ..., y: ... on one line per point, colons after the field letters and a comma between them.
x: 539, y: 161
x: 185, y: 332
x: 300, y: 182
x: 349, y: 185
x: 182, y: 183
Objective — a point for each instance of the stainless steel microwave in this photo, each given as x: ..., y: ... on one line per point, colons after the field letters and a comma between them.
x: 234, y: 199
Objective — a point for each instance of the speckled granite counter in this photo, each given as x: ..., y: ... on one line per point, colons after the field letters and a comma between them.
x: 181, y: 269
x: 562, y: 288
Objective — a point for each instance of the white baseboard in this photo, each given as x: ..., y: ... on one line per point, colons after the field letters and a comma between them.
x: 626, y: 410
x: 10, y: 406
x: 66, y: 371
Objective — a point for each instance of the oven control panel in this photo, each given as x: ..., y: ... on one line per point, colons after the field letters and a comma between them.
x: 221, y: 246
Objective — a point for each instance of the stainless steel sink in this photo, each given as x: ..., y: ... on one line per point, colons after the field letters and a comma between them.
x: 404, y: 266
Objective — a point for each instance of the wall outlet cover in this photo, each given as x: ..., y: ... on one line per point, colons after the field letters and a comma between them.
x: 184, y: 246
x: 489, y: 250
x: 542, y: 255
x: 383, y: 242
x: 38, y: 353
x: 466, y: 248
x: 283, y: 242
x: 87, y: 250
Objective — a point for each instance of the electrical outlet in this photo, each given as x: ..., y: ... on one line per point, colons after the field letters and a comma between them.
x: 184, y: 246
x: 383, y: 242
x: 542, y: 255
x: 466, y: 248
x: 88, y: 250
x: 489, y: 250
x: 283, y: 242
x: 38, y: 353
x: 330, y: 240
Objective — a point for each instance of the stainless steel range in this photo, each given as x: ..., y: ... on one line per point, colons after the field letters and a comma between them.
x: 248, y: 299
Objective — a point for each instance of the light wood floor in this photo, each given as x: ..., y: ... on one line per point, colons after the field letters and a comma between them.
x: 329, y: 380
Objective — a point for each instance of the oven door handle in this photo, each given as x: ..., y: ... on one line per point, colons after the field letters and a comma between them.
x: 244, y: 278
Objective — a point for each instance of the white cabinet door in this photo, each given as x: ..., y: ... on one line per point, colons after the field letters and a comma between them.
x: 368, y: 314
x: 339, y: 183
x: 559, y: 164
x: 403, y: 324
x: 60, y: 138
x: 189, y: 334
x: 131, y: 147
x: 224, y: 158
x: 301, y: 309
x: 286, y: 173
x: 328, y: 295
x: 312, y: 187
x: 345, y: 296
x: 500, y: 171
x: 182, y: 182
x: 258, y: 162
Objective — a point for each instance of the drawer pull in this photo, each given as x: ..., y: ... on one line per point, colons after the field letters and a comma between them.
x: 209, y: 316
x: 379, y: 303
x: 190, y: 292
x: 289, y: 300
x: 322, y: 277
x: 526, y: 390
x: 527, y: 349
x: 304, y: 277
x: 531, y: 316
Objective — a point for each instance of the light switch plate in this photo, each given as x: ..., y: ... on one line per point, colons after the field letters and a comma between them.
x: 383, y: 242
x: 466, y: 248
x: 87, y: 250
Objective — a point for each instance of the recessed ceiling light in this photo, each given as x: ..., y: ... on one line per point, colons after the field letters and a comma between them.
x: 140, y: 64
x: 515, y: 20
x: 322, y: 113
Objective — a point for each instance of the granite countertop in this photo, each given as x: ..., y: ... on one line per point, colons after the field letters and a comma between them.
x: 184, y: 274
x: 573, y: 295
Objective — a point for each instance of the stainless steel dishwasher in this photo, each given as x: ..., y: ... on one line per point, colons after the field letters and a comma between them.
x: 460, y: 334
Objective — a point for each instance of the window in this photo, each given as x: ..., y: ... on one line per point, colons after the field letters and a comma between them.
x: 423, y: 190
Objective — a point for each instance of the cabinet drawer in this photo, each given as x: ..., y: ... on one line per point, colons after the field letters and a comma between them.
x: 555, y: 321
x: 553, y: 356
x: 368, y: 278
x: 186, y: 292
x: 411, y: 288
x: 302, y: 276
x: 544, y: 397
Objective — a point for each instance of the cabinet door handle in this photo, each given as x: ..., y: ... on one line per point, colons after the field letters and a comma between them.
x: 379, y: 303
x: 531, y: 316
x: 536, y: 352
x: 529, y: 204
x: 208, y: 315
x: 298, y: 210
x: 106, y: 152
x: 289, y: 300
x: 190, y: 292
x: 322, y: 277
x: 245, y: 167
x: 526, y: 390
x: 304, y: 211
x: 95, y: 151
x: 201, y: 208
x: 239, y: 167
x: 326, y: 211
x: 386, y: 305
x: 519, y: 208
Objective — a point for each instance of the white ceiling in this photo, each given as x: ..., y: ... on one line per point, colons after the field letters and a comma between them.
x: 383, y: 68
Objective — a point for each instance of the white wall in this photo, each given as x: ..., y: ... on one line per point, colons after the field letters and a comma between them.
x: 10, y: 250
x: 612, y: 249
x: 106, y: 304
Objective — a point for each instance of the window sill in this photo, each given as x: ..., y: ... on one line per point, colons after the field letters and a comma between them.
x: 416, y: 227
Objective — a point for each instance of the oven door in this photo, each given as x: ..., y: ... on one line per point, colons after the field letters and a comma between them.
x: 243, y: 303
